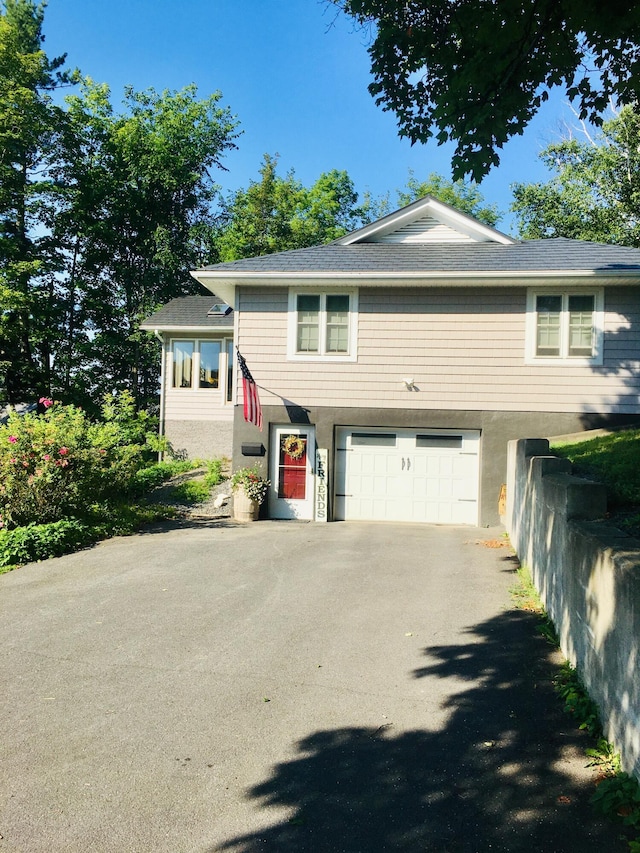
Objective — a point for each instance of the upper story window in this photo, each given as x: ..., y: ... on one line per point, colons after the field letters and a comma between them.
x: 565, y: 326
x: 323, y: 325
x: 202, y: 364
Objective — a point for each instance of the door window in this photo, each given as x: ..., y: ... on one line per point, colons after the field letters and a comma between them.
x: 292, y: 467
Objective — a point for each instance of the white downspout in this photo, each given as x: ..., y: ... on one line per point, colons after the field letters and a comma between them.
x: 162, y: 394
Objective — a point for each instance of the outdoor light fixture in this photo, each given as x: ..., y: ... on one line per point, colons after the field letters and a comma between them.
x: 409, y: 384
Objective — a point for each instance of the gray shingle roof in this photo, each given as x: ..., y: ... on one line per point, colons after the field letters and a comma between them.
x: 558, y: 254
x: 188, y: 312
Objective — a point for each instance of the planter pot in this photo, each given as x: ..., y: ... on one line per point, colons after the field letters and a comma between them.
x: 244, y: 509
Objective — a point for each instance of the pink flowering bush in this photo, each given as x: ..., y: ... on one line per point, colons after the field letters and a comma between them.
x: 60, y: 463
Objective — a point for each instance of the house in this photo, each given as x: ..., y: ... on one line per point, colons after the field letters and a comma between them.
x: 395, y: 363
x: 196, y: 384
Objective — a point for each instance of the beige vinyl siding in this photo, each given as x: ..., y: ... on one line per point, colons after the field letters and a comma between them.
x: 464, y: 348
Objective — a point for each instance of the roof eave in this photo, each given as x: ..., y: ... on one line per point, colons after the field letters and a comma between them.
x: 226, y: 285
x: 175, y: 327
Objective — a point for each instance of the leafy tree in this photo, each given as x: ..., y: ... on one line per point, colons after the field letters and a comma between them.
x: 278, y: 213
x: 594, y: 193
x: 463, y: 195
x: 476, y: 72
x: 102, y: 214
x: 139, y: 192
x: 29, y: 129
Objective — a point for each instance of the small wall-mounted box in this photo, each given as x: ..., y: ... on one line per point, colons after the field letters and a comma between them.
x: 253, y: 450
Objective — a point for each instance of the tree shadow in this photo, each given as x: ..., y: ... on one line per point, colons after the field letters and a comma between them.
x: 504, y: 773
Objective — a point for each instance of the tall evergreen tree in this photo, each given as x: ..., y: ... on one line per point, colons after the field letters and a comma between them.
x: 29, y: 127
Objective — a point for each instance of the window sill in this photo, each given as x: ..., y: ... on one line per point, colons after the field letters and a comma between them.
x: 325, y: 359
x: 567, y: 361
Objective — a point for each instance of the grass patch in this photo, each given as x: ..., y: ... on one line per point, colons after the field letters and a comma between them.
x: 611, y: 459
x: 155, y: 475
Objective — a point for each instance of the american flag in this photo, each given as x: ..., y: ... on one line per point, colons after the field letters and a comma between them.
x: 252, y: 407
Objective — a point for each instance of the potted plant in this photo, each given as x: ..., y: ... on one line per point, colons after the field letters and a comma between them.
x: 249, y: 491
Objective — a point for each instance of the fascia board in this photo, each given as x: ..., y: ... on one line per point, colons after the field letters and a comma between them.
x: 181, y: 330
x: 508, y: 278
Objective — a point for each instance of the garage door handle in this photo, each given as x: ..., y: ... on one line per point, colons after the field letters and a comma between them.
x: 403, y: 463
x: 408, y: 464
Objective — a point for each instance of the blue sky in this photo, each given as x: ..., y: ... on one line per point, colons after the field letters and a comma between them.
x: 294, y: 74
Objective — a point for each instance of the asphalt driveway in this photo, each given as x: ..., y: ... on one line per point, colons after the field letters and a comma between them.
x: 284, y: 687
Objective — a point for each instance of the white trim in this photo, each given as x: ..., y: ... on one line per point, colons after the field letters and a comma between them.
x: 444, y: 213
x: 566, y: 360
x: 187, y: 330
x: 292, y: 326
x: 291, y: 508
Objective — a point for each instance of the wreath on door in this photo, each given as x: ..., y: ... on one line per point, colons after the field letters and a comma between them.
x: 294, y: 446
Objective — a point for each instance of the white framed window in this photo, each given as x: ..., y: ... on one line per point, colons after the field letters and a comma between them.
x: 565, y: 326
x: 202, y: 364
x: 323, y: 325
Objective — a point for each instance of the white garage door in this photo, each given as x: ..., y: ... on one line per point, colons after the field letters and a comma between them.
x: 407, y: 475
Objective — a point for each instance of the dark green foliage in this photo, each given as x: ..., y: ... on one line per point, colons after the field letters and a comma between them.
x: 102, y: 215
x: 41, y: 541
x: 594, y: 192
x: 619, y: 797
x: 476, y: 72
x: 278, y: 213
x: 463, y: 195
x: 36, y: 542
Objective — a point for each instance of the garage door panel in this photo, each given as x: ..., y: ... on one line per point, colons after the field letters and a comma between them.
x: 407, y: 475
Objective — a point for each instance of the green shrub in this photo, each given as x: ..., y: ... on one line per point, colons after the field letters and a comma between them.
x: 35, y: 542
x: 155, y: 475
x: 41, y: 541
x: 213, y: 477
x: 54, y: 465
x: 191, y: 492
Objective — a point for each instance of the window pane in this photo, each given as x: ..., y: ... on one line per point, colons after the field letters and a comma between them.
x: 439, y: 441
x: 308, y: 337
x: 209, y: 364
x: 373, y: 439
x: 548, y: 325
x: 581, y: 325
x: 337, y: 323
x: 230, y: 365
x: 182, y: 362
x: 292, y: 470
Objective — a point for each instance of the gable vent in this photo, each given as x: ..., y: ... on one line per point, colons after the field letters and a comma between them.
x: 427, y: 229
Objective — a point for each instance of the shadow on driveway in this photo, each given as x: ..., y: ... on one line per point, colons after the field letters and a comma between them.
x: 504, y: 774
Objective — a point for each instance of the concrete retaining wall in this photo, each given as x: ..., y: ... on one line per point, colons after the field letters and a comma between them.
x: 587, y: 573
